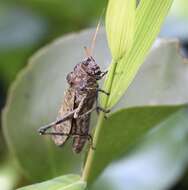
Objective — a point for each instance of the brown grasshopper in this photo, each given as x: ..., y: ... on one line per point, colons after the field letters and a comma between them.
x: 74, y: 116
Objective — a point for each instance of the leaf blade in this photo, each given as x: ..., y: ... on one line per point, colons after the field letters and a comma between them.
x: 68, y: 182
x: 122, y: 130
x: 120, y: 20
x: 149, y: 18
x: 162, y: 153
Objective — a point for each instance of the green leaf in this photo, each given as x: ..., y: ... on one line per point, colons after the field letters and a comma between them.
x: 121, y: 130
x: 68, y: 182
x: 149, y: 18
x: 120, y: 23
x: 157, y: 162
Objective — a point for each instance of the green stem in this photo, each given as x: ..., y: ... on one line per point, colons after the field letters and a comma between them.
x: 91, y: 153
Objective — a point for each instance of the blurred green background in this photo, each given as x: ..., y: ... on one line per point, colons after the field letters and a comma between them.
x: 25, y: 26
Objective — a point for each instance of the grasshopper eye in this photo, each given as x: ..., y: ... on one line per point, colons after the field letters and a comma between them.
x: 98, y: 72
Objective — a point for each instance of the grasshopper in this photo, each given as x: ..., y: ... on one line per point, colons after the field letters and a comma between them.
x: 74, y: 115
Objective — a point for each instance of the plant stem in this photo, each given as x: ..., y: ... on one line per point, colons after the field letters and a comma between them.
x: 91, y: 153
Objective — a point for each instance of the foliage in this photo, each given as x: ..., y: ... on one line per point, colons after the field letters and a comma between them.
x: 149, y: 104
x: 45, y: 63
x: 68, y: 182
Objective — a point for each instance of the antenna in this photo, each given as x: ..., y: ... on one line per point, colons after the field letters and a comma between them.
x: 89, y: 51
x: 93, y: 42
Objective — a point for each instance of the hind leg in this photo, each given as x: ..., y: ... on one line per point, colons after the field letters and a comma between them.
x: 42, y: 130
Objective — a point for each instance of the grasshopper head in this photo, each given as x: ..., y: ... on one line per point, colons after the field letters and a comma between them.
x: 92, y: 68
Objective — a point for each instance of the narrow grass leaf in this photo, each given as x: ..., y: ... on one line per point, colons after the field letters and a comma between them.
x: 120, y: 18
x: 150, y: 15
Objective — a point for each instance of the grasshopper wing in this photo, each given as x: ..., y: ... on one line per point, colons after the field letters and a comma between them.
x: 66, y: 126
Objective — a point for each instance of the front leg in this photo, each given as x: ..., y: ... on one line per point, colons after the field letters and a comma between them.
x: 103, y: 91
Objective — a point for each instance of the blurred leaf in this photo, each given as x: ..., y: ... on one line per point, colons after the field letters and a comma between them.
x: 11, y: 62
x: 68, y: 182
x: 103, y: 184
x: 122, y: 130
x: 120, y: 25
x: 179, y: 9
x: 65, y: 16
x: 176, y: 28
x: 149, y: 18
x: 159, y: 159
x: 24, y: 28
x: 161, y: 79
x: 9, y: 176
x: 176, y: 24
x: 21, y: 32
